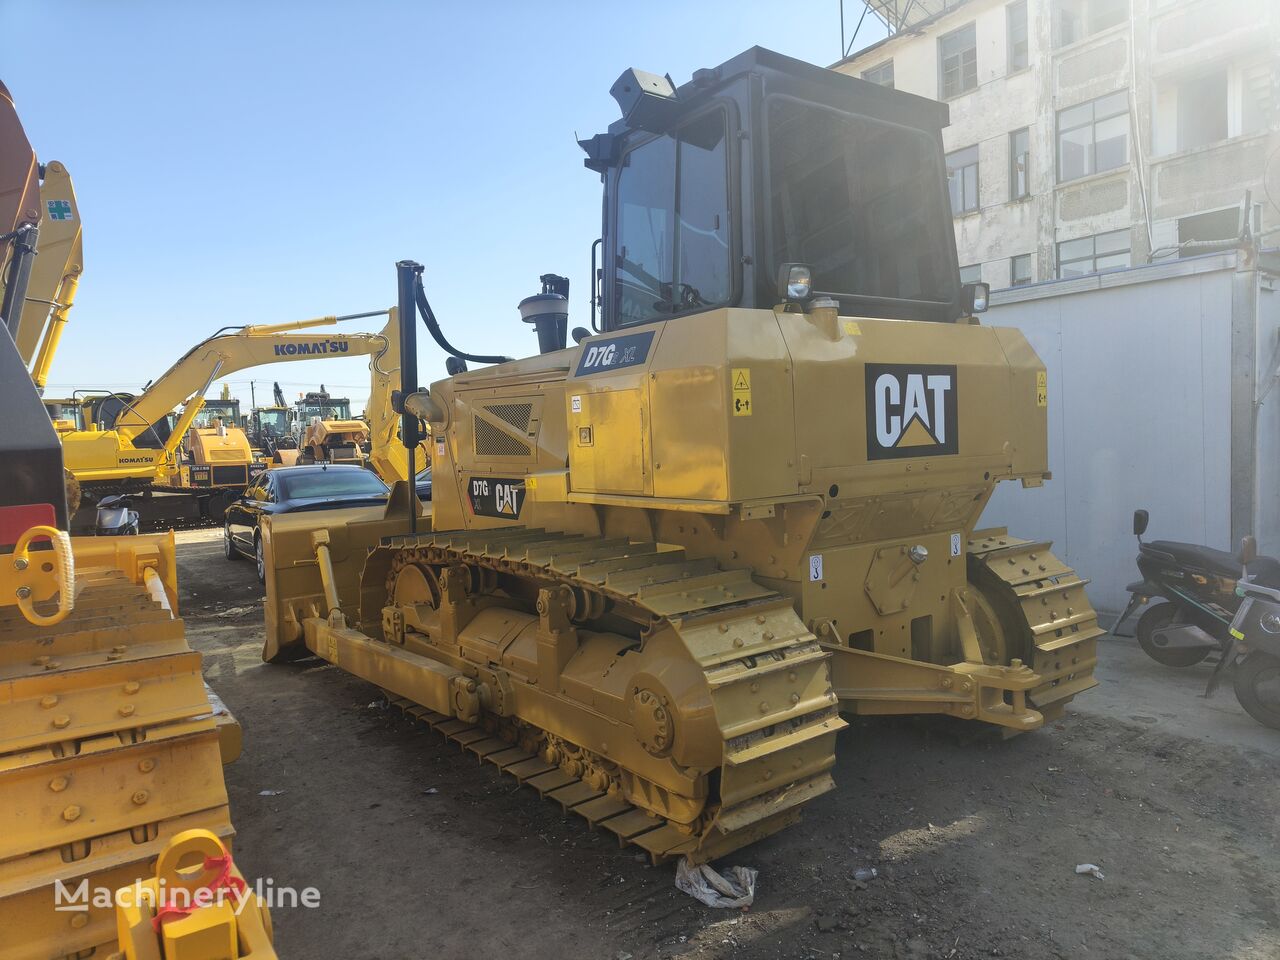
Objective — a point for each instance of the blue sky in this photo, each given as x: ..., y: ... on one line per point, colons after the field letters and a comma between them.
x: 255, y: 162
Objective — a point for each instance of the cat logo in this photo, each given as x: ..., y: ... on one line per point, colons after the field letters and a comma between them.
x: 496, y: 497
x: 911, y: 411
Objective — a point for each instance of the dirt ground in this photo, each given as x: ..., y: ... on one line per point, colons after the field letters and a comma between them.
x: 419, y: 851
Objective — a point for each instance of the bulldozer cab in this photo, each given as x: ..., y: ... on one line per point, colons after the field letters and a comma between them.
x: 712, y: 188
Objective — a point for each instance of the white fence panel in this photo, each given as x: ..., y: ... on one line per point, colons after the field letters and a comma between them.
x: 1139, y: 403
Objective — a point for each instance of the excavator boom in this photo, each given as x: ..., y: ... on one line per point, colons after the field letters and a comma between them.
x: 226, y: 353
x: 40, y: 196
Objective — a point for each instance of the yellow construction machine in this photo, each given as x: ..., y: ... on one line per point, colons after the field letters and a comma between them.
x: 326, y: 431
x: 111, y: 746
x: 270, y: 431
x: 661, y: 562
x: 130, y: 446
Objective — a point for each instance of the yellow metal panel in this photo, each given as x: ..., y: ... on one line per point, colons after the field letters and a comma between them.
x: 104, y: 791
x: 609, y: 442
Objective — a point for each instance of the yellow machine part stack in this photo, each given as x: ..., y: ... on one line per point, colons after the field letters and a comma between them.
x: 197, y: 906
x: 109, y: 744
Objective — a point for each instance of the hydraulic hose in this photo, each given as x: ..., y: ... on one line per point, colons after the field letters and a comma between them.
x: 433, y: 327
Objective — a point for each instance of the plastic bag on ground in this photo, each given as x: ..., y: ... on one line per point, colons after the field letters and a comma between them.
x: 704, y: 884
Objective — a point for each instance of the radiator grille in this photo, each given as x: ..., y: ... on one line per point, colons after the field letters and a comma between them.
x: 492, y: 442
x: 516, y: 414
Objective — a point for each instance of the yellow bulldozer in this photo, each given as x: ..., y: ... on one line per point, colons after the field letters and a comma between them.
x: 661, y: 562
x: 111, y: 746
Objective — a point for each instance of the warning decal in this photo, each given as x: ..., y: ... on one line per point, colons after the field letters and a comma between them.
x: 741, y: 382
x: 1042, y: 389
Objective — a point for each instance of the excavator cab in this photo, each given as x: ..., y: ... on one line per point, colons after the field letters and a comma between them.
x: 765, y: 174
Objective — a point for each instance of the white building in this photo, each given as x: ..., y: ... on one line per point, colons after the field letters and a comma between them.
x: 1087, y: 133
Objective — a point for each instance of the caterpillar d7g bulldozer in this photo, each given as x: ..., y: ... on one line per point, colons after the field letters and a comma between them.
x: 659, y: 563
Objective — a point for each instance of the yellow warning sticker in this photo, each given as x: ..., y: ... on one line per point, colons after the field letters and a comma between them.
x: 741, y: 382
x: 1042, y: 389
x: 851, y: 328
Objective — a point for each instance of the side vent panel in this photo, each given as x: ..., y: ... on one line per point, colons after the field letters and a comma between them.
x: 492, y: 442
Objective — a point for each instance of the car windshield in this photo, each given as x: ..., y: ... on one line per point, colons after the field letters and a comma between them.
x: 859, y: 201
x: 315, y: 484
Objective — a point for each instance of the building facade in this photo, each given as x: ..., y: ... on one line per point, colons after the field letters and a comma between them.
x: 1086, y: 134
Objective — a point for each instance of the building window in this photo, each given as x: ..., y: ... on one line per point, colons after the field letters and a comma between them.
x: 1015, y: 15
x: 1202, y: 110
x: 971, y: 273
x: 1104, y: 251
x: 1020, y: 270
x: 962, y: 180
x: 958, y: 62
x: 1020, y: 164
x: 882, y: 74
x: 1093, y: 136
x: 1076, y: 19
x: 1217, y: 225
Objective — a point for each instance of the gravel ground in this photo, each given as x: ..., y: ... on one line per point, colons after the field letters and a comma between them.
x: 418, y: 850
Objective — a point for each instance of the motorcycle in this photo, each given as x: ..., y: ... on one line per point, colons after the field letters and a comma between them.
x: 115, y: 517
x: 1253, y: 645
x: 1197, y: 587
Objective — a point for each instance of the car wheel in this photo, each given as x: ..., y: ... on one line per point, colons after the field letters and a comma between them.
x: 262, y: 561
x: 228, y: 545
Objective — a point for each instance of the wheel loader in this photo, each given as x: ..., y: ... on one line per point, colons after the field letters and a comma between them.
x: 661, y: 562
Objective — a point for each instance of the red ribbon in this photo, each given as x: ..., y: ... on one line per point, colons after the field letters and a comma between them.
x: 225, y: 880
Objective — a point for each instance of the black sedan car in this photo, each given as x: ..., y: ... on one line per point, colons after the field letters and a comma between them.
x: 290, y: 489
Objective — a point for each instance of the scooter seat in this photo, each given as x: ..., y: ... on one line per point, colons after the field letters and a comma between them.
x: 1264, y: 570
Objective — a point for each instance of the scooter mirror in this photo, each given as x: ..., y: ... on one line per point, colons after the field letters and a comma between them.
x: 1248, y: 550
x: 1140, y: 519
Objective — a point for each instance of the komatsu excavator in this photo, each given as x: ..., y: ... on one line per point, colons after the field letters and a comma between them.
x: 129, y: 446
x: 662, y: 561
x: 111, y: 746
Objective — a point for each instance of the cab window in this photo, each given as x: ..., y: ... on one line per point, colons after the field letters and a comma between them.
x: 862, y: 202
x: 673, y: 246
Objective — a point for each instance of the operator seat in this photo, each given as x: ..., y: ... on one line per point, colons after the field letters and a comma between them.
x: 1264, y: 570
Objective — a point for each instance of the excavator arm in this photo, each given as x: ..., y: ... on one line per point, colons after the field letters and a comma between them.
x: 223, y: 354
x: 387, y: 454
x: 43, y: 196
